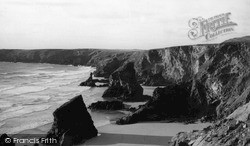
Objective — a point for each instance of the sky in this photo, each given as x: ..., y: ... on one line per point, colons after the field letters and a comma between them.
x: 112, y: 24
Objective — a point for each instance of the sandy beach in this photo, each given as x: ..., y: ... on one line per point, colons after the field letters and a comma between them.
x: 146, y: 133
x: 150, y: 134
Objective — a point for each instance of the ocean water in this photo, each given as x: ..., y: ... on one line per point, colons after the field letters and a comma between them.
x: 30, y: 92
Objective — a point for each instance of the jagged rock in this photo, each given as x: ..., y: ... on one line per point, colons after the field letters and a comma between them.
x: 171, y: 65
x: 72, y: 122
x: 5, y: 140
x: 107, y: 105
x: 92, y: 82
x: 225, y: 78
x: 89, y: 82
x: 153, y: 67
x: 123, y: 85
x: 242, y: 113
x: 108, y: 66
x: 173, y: 101
x: 155, y: 79
x: 226, y: 132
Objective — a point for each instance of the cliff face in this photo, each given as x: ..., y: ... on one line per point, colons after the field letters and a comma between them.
x: 223, y: 133
x: 123, y: 85
x: 153, y: 67
x: 218, y: 72
x: 226, y: 77
x: 226, y: 80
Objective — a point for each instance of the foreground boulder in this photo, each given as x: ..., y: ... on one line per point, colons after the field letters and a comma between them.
x: 107, y: 105
x: 123, y: 85
x: 173, y: 101
x: 72, y: 123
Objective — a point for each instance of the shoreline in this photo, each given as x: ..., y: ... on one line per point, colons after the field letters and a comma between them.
x: 144, y: 133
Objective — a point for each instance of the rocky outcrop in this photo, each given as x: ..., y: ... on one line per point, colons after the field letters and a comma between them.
x: 92, y: 82
x: 220, y: 84
x: 225, y: 77
x: 153, y: 67
x: 107, y: 105
x: 89, y: 82
x: 72, y: 123
x: 226, y: 132
x: 173, y: 101
x: 123, y: 85
x: 224, y: 74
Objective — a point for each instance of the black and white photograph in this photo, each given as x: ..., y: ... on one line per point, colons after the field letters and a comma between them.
x: 124, y: 72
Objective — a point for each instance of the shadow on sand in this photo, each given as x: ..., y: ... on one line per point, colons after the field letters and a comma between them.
x: 123, y: 139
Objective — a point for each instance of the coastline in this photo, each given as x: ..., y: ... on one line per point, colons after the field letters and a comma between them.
x: 145, y: 133
x: 94, y: 94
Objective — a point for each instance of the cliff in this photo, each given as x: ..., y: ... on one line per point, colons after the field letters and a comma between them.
x: 123, y: 85
x: 224, y: 72
x: 220, y: 72
x: 153, y: 67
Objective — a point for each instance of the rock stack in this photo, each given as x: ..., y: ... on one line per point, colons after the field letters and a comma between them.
x: 123, y: 85
x: 72, y: 123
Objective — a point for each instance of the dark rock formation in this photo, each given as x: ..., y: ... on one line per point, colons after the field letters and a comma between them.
x: 72, y: 122
x: 226, y: 132
x: 173, y: 101
x: 224, y: 74
x: 153, y: 67
x: 154, y: 79
x: 89, y: 81
x: 225, y: 77
x: 92, y: 82
x: 123, y: 85
x: 5, y: 140
x: 107, y: 105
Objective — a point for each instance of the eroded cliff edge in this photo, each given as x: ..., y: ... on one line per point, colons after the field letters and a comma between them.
x: 226, y: 79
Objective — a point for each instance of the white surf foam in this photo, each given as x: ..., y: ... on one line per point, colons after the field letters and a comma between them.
x: 33, y: 91
x: 19, y: 111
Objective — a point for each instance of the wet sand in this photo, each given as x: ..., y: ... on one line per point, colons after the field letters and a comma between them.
x: 150, y: 134
x: 139, y: 134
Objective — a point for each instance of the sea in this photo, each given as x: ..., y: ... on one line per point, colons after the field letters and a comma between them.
x: 30, y: 92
